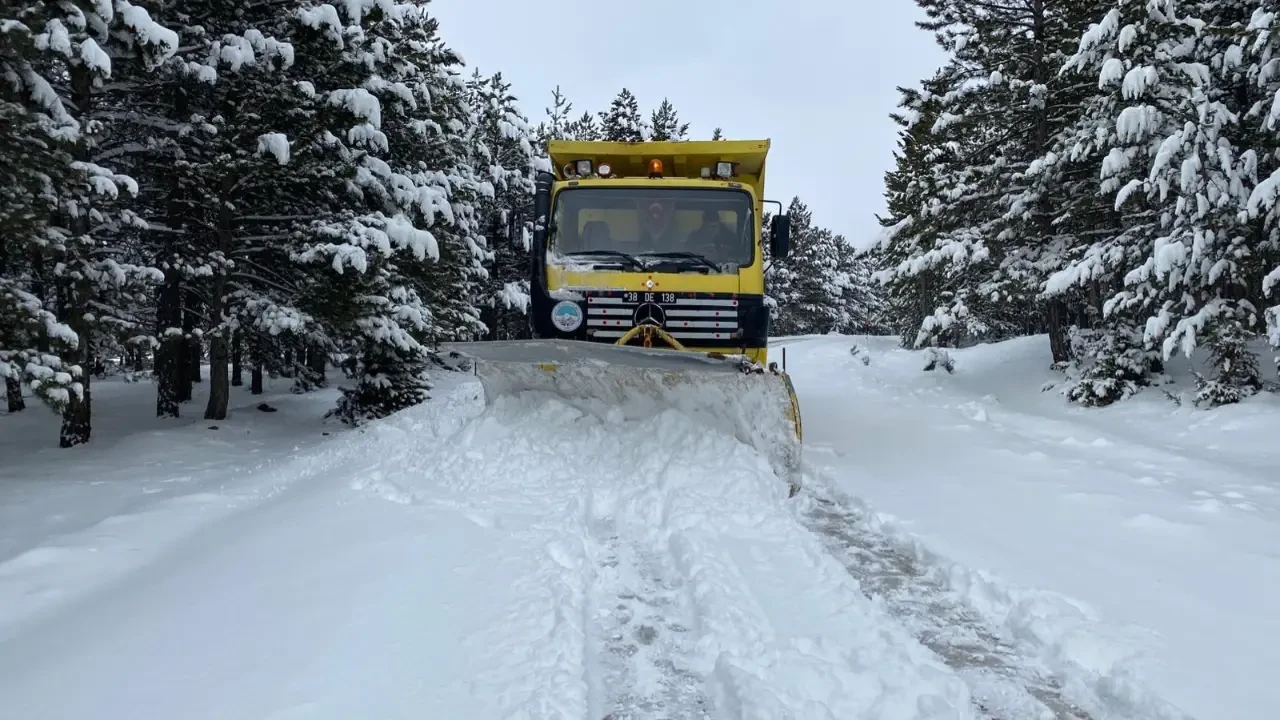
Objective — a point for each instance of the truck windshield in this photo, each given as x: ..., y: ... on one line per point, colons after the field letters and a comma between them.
x: 706, y: 230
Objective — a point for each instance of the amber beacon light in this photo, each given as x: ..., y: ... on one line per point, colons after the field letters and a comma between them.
x: 655, y: 168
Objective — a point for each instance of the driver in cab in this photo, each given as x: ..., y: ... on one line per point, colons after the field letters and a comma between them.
x: 712, y: 239
x: 658, y: 232
x: 657, y: 227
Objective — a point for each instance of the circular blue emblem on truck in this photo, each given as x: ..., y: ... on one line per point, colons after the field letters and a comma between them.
x: 566, y: 316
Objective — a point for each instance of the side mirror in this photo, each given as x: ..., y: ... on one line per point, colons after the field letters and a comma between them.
x: 541, y: 220
x: 542, y: 200
x: 780, y: 236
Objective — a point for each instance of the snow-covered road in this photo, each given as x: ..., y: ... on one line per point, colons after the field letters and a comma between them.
x: 530, y: 560
x: 526, y: 561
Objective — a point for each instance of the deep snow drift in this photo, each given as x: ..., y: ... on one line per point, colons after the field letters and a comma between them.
x: 534, y: 559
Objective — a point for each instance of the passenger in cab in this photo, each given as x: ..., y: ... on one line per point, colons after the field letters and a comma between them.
x: 712, y: 238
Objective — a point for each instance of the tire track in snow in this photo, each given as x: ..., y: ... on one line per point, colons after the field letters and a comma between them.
x: 604, y: 632
x: 1004, y: 687
x: 700, y: 558
x: 640, y: 627
x: 1006, y: 680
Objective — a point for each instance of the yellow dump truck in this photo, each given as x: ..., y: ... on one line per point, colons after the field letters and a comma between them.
x: 647, y: 288
x: 659, y: 236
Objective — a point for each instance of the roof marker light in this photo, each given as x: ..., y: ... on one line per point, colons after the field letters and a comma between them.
x: 604, y: 170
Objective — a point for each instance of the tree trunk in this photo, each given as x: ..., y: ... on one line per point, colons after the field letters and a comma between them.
x: 197, y: 360
x: 287, y: 371
x: 219, y: 343
x: 237, y: 358
x: 74, y: 296
x: 189, y: 357
x: 77, y: 417
x: 182, y: 369
x: 489, y: 317
x: 1059, y: 345
x: 1057, y: 311
x: 219, y: 382
x: 258, y: 361
x: 13, y: 392
x: 317, y: 361
x: 169, y: 372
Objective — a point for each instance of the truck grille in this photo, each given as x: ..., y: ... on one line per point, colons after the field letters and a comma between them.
x: 689, y: 318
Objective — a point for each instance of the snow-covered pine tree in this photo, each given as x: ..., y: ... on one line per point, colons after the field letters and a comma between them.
x: 1048, y: 195
x: 82, y: 264
x: 1113, y: 139
x: 862, y: 302
x: 807, y: 285
x: 229, y: 192
x: 999, y: 210
x: 455, y: 286
x: 950, y: 234
x: 1258, y: 50
x: 584, y: 128
x: 919, y: 161
x: 986, y: 232
x: 557, y: 122
x: 504, y: 150
x: 1175, y: 253
x: 34, y: 164
x: 1213, y: 160
x: 936, y: 261
x: 622, y: 122
x: 666, y: 125
x: 412, y: 236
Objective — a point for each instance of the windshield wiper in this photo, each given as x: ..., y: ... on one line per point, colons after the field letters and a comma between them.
x: 629, y: 259
x: 684, y: 255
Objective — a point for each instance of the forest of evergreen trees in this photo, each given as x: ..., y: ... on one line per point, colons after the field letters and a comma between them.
x: 1105, y: 172
x: 278, y: 188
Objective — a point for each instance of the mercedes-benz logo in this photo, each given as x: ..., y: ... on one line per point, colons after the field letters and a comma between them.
x: 650, y: 314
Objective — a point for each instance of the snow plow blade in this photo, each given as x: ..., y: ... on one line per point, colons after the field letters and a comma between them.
x: 757, y: 405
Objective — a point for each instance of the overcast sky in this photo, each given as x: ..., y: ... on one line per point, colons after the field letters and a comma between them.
x: 816, y: 77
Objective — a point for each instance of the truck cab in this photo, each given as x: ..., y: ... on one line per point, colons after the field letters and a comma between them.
x: 666, y: 235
